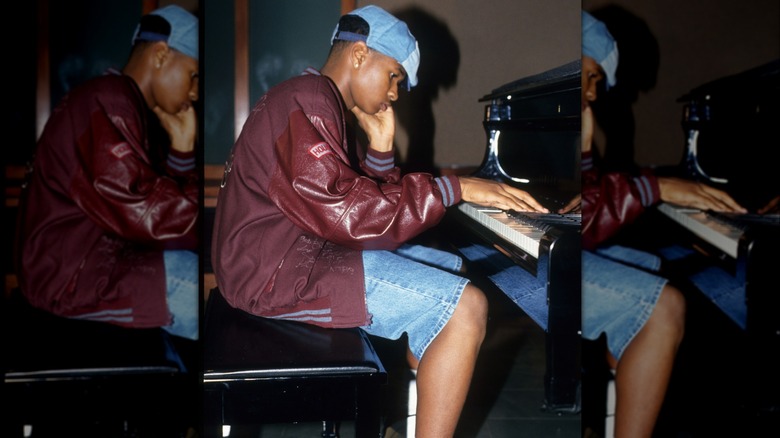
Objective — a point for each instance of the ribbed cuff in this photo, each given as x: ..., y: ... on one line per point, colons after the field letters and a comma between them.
x: 586, y: 161
x: 380, y: 162
x: 449, y: 186
x: 647, y: 187
x: 181, y: 161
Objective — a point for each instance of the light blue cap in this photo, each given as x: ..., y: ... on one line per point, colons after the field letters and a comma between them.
x: 184, y: 30
x: 388, y: 36
x: 598, y: 43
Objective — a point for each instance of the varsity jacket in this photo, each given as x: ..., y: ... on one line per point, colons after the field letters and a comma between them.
x: 612, y: 200
x: 299, y: 203
x: 101, y: 206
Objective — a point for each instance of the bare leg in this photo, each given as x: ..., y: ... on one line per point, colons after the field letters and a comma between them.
x: 643, y: 371
x: 445, y: 370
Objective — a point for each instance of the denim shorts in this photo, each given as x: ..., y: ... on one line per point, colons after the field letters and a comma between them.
x: 725, y: 289
x: 619, y: 292
x: 181, y: 277
x: 412, y: 290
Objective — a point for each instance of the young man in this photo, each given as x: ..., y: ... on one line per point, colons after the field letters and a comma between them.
x: 310, y: 227
x: 108, y: 231
x: 642, y: 315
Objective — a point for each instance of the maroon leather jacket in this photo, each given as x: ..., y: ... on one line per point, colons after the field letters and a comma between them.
x: 293, y: 214
x: 101, y: 205
x: 612, y: 200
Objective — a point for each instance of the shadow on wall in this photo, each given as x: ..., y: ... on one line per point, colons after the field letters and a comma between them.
x: 637, y: 72
x: 439, y: 62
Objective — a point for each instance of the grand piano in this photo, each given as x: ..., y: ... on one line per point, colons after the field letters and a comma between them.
x: 730, y: 131
x: 533, y: 143
x: 731, y: 260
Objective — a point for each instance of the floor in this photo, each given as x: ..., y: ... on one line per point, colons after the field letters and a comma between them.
x: 507, y: 391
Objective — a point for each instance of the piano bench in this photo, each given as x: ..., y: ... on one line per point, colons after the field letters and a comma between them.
x: 68, y: 377
x: 259, y: 370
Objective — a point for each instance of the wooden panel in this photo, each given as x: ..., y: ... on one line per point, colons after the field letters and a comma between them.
x: 241, y: 95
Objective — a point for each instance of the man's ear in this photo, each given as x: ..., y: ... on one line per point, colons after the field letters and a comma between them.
x: 160, y: 52
x: 358, y: 53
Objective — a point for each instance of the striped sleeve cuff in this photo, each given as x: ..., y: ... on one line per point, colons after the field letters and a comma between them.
x: 648, y: 194
x: 449, y: 186
x: 380, y: 162
x: 181, y: 162
x: 587, y: 161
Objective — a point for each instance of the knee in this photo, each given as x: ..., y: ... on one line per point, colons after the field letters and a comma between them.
x: 670, y: 309
x: 472, y: 311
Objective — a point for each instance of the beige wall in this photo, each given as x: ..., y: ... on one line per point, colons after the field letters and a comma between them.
x: 499, y: 41
x: 699, y: 40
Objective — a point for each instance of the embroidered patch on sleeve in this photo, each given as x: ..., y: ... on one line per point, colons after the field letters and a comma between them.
x: 121, y: 150
x: 319, y: 150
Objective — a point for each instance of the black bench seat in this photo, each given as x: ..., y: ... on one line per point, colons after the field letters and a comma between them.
x: 63, y: 376
x: 258, y: 370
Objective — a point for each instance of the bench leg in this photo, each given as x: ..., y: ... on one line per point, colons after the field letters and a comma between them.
x: 411, y: 409
x: 368, y: 421
x: 329, y: 429
x: 609, y: 423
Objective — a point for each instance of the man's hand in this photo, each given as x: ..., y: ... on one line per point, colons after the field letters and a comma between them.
x: 771, y: 207
x: 587, y: 129
x: 497, y: 195
x: 379, y: 127
x: 181, y: 127
x: 693, y: 194
x: 574, y: 206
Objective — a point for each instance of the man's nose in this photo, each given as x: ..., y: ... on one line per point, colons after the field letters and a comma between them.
x: 393, y: 93
x: 591, y: 94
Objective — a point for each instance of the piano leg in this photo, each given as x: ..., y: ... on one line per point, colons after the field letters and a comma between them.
x: 562, y: 379
x: 762, y: 297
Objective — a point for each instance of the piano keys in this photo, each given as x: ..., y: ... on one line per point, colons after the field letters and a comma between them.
x: 522, y: 230
x: 722, y: 230
x: 533, y: 143
x: 722, y: 235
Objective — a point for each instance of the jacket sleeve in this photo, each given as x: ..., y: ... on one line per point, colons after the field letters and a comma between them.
x: 120, y: 189
x: 315, y: 187
x: 612, y: 200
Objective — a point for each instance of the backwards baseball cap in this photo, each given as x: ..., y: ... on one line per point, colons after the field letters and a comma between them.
x: 599, y: 44
x: 178, y: 28
x: 388, y: 36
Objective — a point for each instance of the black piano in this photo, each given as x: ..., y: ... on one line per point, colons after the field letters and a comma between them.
x: 731, y: 142
x: 533, y: 143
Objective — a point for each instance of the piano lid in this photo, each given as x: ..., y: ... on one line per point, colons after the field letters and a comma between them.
x: 757, y: 79
x: 557, y: 79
